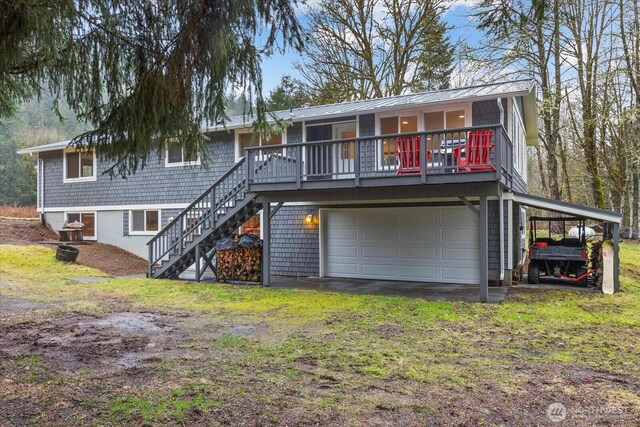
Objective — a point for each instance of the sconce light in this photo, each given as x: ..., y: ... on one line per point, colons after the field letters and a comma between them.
x: 311, y: 219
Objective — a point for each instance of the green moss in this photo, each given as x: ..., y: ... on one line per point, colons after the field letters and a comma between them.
x: 176, y: 406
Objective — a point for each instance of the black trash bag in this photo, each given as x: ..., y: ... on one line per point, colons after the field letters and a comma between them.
x: 249, y: 241
x: 225, y: 242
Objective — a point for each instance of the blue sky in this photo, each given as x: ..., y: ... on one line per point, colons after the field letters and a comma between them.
x: 280, y: 64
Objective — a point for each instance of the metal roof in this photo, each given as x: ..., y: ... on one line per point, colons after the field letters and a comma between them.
x: 46, y: 147
x: 567, y: 208
x: 491, y: 90
x: 525, y: 88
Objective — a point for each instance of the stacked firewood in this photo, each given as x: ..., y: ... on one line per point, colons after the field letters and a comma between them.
x: 595, y: 260
x: 240, y: 263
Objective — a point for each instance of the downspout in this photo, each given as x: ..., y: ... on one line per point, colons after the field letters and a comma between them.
x: 501, y: 207
x: 501, y: 213
x: 41, y: 179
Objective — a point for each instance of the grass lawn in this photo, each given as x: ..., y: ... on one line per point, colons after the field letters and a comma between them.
x: 154, y: 352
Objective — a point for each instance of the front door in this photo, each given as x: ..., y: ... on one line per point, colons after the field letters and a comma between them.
x: 344, y: 155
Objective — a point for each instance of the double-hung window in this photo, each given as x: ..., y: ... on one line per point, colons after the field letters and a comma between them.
x: 79, y: 165
x: 178, y: 156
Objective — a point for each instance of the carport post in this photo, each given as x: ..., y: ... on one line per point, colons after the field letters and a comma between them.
x: 615, y: 228
x: 266, y: 243
x: 484, y: 250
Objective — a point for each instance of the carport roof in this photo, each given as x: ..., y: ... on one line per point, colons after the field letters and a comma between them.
x: 567, y: 208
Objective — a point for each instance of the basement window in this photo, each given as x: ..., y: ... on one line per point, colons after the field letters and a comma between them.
x: 145, y: 221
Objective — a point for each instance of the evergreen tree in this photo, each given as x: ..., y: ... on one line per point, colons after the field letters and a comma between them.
x: 139, y: 71
x: 290, y: 93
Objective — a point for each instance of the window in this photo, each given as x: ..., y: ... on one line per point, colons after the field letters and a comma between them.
x: 86, y: 218
x: 177, y: 156
x: 394, y: 125
x: 79, y: 166
x: 439, y: 120
x: 144, y: 221
x: 249, y: 140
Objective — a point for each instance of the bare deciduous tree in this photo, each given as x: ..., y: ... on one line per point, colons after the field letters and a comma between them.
x: 375, y: 48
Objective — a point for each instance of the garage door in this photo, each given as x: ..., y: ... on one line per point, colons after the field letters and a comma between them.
x: 438, y: 244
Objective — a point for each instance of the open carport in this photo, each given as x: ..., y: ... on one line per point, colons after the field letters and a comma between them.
x: 610, y: 221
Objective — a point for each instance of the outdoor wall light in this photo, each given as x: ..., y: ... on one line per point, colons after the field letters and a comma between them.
x: 311, y: 219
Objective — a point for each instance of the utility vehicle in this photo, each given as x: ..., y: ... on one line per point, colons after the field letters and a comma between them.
x: 554, y: 256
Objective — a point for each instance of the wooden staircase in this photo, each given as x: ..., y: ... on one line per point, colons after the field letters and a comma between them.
x: 192, y: 235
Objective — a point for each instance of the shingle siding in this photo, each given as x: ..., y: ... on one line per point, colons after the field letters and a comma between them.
x: 295, y: 245
x: 155, y: 184
x: 494, y: 233
x: 519, y: 184
x: 488, y: 113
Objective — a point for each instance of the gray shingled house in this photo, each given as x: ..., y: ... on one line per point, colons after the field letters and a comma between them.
x: 427, y: 187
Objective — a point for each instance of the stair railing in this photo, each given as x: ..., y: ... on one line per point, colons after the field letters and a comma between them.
x: 199, y: 215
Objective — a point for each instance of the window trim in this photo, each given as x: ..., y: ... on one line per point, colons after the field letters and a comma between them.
x: 66, y: 180
x: 95, y: 222
x: 236, y: 145
x: 145, y: 232
x: 168, y: 164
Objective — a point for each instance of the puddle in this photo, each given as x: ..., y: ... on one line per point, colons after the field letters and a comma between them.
x: 132, y: 322
x: 14, y: 304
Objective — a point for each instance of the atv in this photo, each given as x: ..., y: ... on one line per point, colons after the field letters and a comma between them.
x: 557, y: 257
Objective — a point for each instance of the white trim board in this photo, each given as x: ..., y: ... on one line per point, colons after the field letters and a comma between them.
x: 116, y: 207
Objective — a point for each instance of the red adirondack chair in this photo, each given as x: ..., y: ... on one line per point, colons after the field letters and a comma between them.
x: 408, y: 155
x: 478, y: 156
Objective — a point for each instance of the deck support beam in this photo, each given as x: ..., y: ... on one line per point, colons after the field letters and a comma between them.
x: 276, y: 209
x: 266, y: 244
x: 468, y: 204
x: 484, y: 250
x: 198, y: 262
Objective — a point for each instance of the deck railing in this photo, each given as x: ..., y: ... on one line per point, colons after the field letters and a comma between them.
x: 199, y: 215
x: 451, y: 151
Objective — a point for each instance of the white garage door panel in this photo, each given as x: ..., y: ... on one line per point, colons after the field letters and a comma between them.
x: 379, y: 252
x: 344, y: 251
x: 379, y: 270
x: 418, y: 273
x: 461, y: 275
x: 418, y: 254
x: 419, y: 244
x: 339, y: 268
x: 417, y: 235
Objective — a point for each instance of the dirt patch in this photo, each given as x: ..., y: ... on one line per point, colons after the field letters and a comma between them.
x: 103, y: 344
x: 20, y: 232
x: 110, y: 259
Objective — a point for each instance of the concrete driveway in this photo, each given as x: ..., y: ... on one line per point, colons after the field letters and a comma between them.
x: 429, y: 291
